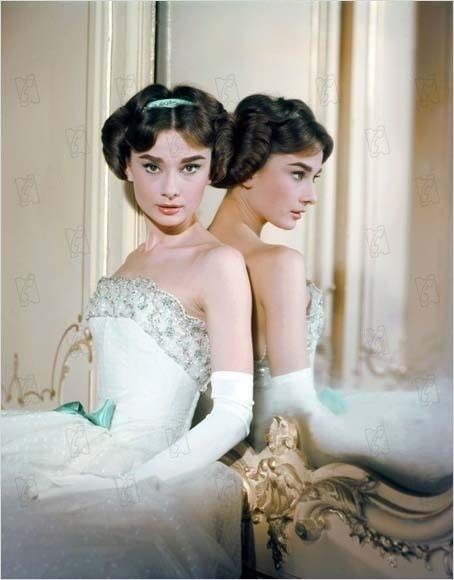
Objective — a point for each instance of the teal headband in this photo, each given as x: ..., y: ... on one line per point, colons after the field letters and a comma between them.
x: 171, y: 103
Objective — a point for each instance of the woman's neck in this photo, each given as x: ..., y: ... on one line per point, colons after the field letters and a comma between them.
x: 236, y: 217
x: 169, y: 237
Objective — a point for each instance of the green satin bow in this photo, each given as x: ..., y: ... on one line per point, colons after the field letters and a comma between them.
x: 332, y: 399
x: 101, y: 417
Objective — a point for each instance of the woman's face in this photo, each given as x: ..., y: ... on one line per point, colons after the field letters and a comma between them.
x: 285, y: 187
x: 169, y: 179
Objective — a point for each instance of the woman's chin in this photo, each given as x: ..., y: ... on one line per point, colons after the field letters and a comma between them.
x: 284, y: 224
x: 176, y: 220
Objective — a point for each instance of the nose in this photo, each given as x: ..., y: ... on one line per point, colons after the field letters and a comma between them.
x: 170, y: 195
x: 170, y: 189
x: 309, y: 195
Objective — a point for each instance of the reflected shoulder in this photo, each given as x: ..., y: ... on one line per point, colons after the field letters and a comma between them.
x: 223, y: 255
x: 276, y: 260
x: 275, y: 272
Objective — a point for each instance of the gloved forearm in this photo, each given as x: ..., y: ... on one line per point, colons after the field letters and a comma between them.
x: 226, y: 425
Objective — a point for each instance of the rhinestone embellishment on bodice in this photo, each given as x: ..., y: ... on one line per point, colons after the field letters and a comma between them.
x: 315, y: 317
x: 161, y: 315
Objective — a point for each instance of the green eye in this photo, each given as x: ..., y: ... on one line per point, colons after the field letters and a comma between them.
x: 151, y: 165
x: 299, y: 175
x: 153, y: 168
x: 193, y: 165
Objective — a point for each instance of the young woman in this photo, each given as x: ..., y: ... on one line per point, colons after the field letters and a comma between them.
x: 120, y: 489
x: 280, y: 150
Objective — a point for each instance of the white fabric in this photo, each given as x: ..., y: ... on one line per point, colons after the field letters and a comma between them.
x: 294, y: 392
x: 396, y: 433
x: 225, y: 426
x: 136, y: 528
x: 405, y: 434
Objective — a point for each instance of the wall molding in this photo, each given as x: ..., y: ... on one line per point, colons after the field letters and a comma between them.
x: 121, y: 61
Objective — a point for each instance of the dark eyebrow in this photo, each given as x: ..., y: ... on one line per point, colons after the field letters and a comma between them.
x: 159, y: 160
x: 305, y: 166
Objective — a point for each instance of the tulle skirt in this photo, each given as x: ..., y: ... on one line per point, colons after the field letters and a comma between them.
x: 187, y: 527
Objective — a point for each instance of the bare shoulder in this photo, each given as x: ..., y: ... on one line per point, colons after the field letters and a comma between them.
x: 226, y: 300
x: 275, y: 260
x: 124, y: 268
x: 274, y: 271
x: 220, y: 260
x: 133, y: 254
x: 223, y: 283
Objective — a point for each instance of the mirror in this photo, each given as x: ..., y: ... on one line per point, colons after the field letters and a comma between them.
x: 378, y: 242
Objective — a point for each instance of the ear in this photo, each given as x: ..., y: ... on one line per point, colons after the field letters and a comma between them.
x: 128, y: 173
x: 249, y: 182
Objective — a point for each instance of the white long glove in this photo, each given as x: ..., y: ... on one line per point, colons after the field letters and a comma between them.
x: 392, y: 432
x: 318, y: 415
x: 226, y: 425
x: 291, y: 395
x: 295, y: 394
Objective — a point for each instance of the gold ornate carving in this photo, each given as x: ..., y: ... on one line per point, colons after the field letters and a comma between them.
x: 278, y: 489
x: 348, y: 498
x: 80, y: 340
x: 274, y: 487
x: 390, y: 548
x: 18, y: 385
x: 77, y: 345
x: 281, y: 487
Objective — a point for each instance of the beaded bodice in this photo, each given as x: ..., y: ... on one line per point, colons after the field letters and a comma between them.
x: 315, y: 318
x: 161, y: 315
x: 183, y: 337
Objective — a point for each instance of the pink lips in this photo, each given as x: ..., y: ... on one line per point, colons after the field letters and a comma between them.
x: 297, y: 214
x: 169, y: 209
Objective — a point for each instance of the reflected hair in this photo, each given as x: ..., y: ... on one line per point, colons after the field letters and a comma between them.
x: 265, y: 125
x: 203, y: 123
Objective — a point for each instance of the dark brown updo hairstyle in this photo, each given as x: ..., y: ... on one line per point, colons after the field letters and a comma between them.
x: 131, y: 127
x: 264, y: 125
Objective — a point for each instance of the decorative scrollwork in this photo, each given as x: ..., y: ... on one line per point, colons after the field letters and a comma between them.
x: 347, y: 498
x: 281, y: 487
x: 278, y: 488
x: 347, y: 493
x: 18, y: 385
x: 282, y: 436
x: 389, y: 548
x: 273, y: 487
x: 78, y: 343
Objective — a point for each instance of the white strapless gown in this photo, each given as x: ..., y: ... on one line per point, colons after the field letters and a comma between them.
x: 404, y: 435
x: 153, y: 360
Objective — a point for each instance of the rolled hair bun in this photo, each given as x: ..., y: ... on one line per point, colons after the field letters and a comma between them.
x: 204, y: 123
x: 264, y: 125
